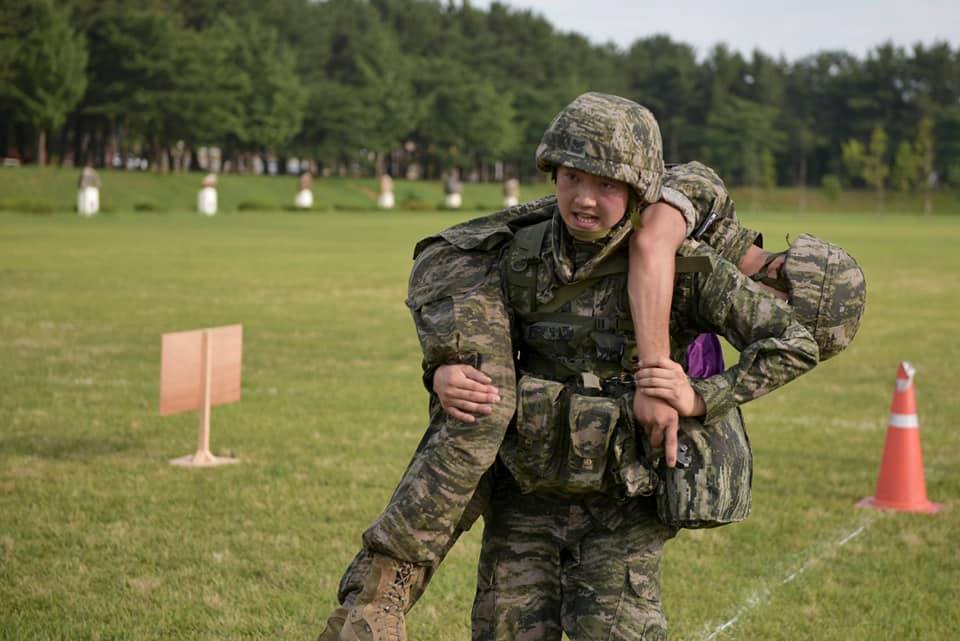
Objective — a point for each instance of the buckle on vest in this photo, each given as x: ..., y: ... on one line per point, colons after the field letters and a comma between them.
x: 550, y: 332
x: 589, y: 380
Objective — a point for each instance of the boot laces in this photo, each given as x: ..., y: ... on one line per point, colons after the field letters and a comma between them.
x: 400, y: 586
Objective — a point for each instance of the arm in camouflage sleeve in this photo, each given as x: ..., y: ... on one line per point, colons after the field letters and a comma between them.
x: 439, y: 292
x: 774, y: 347
x: 659, y: 230
x: 694, y: 191
x: 699, y: 194
x: 711, y: 208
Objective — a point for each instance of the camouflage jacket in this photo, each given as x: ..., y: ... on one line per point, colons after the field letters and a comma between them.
x: 586, y: 448
x: 774, y: 347
x: 475, y: 245
x: 708, y: 211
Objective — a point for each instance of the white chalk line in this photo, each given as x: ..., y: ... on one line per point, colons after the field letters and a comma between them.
x: 762, y: 595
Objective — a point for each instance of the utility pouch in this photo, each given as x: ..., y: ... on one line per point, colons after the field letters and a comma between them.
x: 713, y: 485
x: 539, y: 442
x: 592, y: 421
x: 634, y: 474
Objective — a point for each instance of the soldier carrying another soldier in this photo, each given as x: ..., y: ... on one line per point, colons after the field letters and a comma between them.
x: 573, y: 482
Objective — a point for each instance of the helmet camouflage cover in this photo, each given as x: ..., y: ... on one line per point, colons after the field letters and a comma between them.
x: 606, y: 136
x: 827, y: 290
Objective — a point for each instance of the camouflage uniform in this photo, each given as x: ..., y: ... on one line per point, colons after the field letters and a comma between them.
x: 456, y: 277
x: 570, y: 544
x: 430, y: 507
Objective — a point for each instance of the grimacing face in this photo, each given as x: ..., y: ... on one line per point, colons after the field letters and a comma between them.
x: 590, y: 204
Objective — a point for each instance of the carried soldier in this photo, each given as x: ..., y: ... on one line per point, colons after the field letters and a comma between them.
x: 550, y: 425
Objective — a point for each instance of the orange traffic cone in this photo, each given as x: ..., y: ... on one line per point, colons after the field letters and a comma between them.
x: 901, y: 485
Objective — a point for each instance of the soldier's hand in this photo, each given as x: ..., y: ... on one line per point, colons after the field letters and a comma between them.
x: 464, y: 392
x: 665, y: 379
x: 660, y: 421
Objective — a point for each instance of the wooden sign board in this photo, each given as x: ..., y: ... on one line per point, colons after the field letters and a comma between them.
x: 183, y: 370
x: 198, y: 370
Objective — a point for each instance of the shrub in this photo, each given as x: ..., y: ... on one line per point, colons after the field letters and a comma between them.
x: 831, y: 187
x: 412, y: 203
x: 29, y: 207
x: 253, y: 205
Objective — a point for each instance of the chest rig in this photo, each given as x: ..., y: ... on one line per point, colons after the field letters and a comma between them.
x: 574, y: 432
x: 553, y: 338
x: 557, y: 339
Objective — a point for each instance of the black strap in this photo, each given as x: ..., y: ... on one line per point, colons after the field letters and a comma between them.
x: 525, y: 248
x: 776, y: 282
x: 693, y: 264
x: 599, y: 323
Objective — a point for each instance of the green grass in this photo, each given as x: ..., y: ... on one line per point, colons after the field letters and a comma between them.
x: 48, y: 190
x: 34, y: 190
x: 101, y: 539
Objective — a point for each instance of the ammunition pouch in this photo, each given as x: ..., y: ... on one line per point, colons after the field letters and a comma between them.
x: 573, y: 439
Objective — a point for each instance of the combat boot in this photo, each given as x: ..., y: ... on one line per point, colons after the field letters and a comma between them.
x: 334, y: 624
x: 377, y: 614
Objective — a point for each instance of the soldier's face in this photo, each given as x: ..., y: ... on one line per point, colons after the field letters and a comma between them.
x: 590, y: 203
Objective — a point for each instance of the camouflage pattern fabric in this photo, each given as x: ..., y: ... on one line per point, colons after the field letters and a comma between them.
x: 774, y: 346
x: 406, y: 531
x: 716, y: 221
x: 587, y: 565
x: 827, y: 291
x: 606, y: 136
x: 458, y: 309
x: 571, y: 461
x: 547, y: 568
x: 712, y: 484
x: 417, y: 520
x: 353, y: 578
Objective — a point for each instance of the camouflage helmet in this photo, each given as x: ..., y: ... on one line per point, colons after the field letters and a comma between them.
x: 606, y: 136
x: 827, y: 290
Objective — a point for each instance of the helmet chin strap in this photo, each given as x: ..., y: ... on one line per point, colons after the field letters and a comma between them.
x: 589, y: 236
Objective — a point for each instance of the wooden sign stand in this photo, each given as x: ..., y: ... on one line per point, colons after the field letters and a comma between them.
x: 200, y: 369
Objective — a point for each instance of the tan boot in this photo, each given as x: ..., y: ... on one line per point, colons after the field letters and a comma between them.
x: 334, y: 624
x: 377, y: 614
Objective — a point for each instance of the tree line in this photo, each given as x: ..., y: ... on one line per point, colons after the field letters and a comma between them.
x: 380, y: 85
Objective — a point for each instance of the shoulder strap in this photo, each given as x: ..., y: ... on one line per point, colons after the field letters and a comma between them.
x: 527, y: 245
x: 527, y: 241
x: 525, y: 249
x: 617, y: 264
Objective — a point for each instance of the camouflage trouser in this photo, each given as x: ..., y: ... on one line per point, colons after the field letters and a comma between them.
x: 547, y: 568
x: 457, y: 302
x: 716, y: 221
x: 356, y: 573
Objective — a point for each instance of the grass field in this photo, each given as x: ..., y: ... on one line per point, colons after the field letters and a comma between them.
x: 101, y: 539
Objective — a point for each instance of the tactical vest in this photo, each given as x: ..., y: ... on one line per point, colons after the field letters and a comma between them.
x: 574, y: 432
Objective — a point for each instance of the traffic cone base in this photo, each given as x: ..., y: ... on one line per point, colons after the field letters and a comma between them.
x: 929, y: 507
x: 900, y: 484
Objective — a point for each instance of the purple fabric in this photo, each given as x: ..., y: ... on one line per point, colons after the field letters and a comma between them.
x: 704, y: 356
